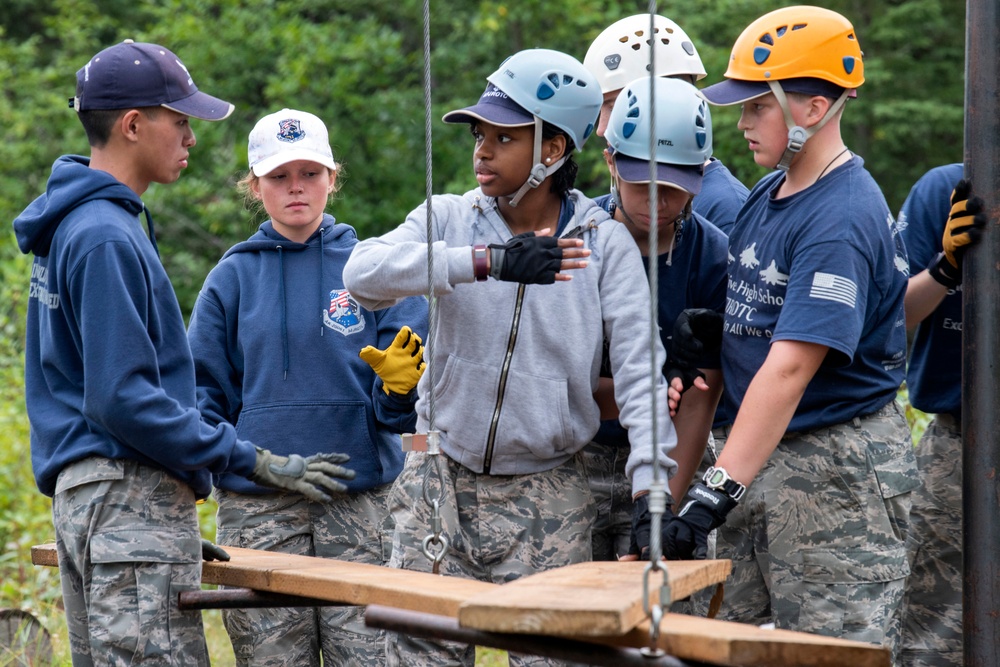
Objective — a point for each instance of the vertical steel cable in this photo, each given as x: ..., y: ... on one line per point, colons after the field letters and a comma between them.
x: 657, y: 489
x: 435, y: 545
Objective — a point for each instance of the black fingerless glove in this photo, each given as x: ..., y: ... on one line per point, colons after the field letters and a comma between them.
x: 697, y: 332
x: 526, y: 258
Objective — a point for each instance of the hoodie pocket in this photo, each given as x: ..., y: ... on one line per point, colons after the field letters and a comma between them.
x: 534, y: 411
x: 309, y: 428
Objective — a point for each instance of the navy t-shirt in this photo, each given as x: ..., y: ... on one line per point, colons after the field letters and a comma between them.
x: 694, y: 278
x: 826, y: 266
x: 934, y: 377
x: 721, y: 196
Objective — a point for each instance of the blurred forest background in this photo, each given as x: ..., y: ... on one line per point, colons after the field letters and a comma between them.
x: 358, y: 65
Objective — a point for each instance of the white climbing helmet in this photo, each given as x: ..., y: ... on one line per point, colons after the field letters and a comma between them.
x: 620, y: 54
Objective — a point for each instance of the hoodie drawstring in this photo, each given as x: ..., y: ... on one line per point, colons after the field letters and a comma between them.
x: 322, y: 297
x: 284, y: 318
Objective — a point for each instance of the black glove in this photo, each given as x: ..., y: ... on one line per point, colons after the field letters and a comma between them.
x: 963, y: 229
x: 210, y: 551
x: 703, y: 510
x: 314, y: 477
x: 641, y: 525
x: 526, y: 258
x: 696, y: 331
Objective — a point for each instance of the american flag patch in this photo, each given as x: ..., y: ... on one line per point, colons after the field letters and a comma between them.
x: 832, y: 287
x: 339, y: 299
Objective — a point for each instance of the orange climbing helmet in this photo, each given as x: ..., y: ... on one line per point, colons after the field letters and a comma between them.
x: 799, y: 49
x: 792, y: 43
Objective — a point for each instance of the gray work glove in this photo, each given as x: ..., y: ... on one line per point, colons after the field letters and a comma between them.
x: 315, y: 477
x: 211, y: 551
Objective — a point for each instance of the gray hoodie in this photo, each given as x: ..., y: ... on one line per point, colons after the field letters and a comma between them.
x: 514, y: 367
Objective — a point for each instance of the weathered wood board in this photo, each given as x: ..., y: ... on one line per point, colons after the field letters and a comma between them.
x: 326, y: 579
x: 587, y: 598
x: 742, y: 645
x: 604, y: 598
x: 573, y: 589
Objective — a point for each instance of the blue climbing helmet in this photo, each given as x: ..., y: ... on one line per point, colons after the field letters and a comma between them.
x: 683, y: 133
x: 553, y: 86
x: 536, y: 86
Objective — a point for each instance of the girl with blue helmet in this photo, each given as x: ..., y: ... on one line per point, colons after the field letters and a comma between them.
x: 530, y: 276
x: 691, y: 254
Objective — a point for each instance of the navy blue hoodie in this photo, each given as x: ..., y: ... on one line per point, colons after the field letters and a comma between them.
x: 107, y: 368
x: 276, y: 337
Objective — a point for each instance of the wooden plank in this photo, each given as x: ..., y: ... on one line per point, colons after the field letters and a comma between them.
x: 739, y: 644
x: 327, y: 579
x: 687, y: 637
x: 600, y: 598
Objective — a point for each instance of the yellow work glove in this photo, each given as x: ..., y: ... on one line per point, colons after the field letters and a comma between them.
x: 400, y: 365
x: 963, y: 229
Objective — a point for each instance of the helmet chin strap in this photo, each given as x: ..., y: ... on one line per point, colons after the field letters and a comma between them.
x: 540, y: 171
x: 798, y: 135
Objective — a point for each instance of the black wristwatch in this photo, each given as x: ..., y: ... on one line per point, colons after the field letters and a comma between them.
x: 719, y: 480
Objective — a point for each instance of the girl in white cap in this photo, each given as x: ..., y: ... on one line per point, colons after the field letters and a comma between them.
x: 282, y: 352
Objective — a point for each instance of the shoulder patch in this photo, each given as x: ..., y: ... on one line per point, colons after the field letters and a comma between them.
x: 344, y: 314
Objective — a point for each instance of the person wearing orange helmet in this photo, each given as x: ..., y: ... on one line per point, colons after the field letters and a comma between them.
x: 811, y: 492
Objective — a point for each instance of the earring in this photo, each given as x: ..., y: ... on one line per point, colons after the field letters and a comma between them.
x: 547, y: 160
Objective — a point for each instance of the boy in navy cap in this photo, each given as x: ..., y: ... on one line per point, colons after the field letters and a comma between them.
x: 116, y: 436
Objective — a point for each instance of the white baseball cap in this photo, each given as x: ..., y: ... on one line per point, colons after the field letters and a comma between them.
x: 286, y: 136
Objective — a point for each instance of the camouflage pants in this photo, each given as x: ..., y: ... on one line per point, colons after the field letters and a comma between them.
x: 500, y: 528
x: 611, y: 490
x: 932, y: 609
x: 128, y: 543
x: 818, y: 543
x: 350, y: 529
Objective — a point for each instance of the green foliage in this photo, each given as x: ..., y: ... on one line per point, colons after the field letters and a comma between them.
x: 360, y: 67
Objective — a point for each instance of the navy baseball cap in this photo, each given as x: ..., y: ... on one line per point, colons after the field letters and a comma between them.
x: 684, y: 177
x: 738, y: 91
x: 136, y: 74
x: 493, y: 107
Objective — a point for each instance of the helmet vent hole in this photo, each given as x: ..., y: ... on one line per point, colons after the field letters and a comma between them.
x: 767, y: 39
x: 851, y: 37
x: 664, y: 40
x: 554, y: 78
x: 781, y: 31
x: 567, y: 79
x: 798, y: 26
x: 636, y: 47
x: 633, y: 113
x: 581, y: 83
